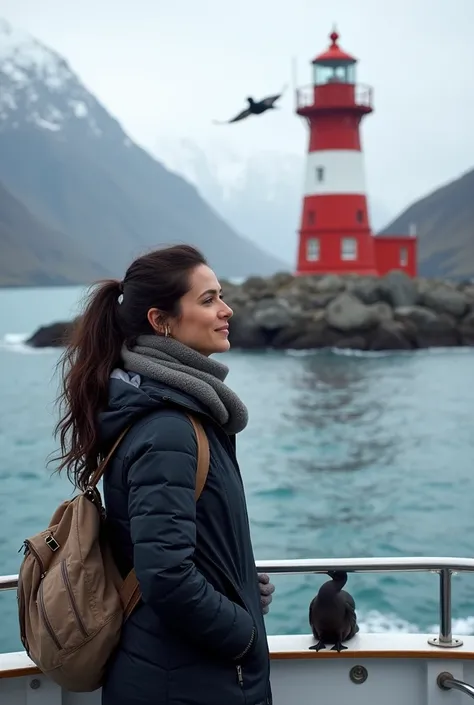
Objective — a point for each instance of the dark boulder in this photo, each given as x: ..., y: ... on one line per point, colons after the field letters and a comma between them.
x: 55, y: 335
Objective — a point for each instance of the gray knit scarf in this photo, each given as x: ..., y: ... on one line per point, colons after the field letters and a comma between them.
x: 166, y: 360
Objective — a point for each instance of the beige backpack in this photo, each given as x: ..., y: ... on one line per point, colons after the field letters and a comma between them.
x: 72, y: 601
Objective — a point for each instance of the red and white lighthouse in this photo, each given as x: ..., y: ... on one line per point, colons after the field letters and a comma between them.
x: 335, y: 234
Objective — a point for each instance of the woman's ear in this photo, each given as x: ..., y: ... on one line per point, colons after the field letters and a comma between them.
x: 156, y: 320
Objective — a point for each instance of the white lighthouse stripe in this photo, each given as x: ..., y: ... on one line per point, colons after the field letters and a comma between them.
x: 334, y: 171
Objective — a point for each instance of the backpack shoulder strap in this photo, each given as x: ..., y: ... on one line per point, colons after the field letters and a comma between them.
x: 103, y: 465
x: 203, y: 455
x: 130, y: 591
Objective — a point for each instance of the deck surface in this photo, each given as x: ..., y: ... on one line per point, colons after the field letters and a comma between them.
x: 367, y: 646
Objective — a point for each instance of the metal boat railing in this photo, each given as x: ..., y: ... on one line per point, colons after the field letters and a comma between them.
x: 446, y: 681
x: 444, y: 567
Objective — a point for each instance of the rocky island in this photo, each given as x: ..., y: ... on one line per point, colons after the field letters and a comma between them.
x: 393, y: 312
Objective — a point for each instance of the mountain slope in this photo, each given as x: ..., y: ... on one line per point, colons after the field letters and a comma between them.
x: 32, y: 253
x: 445, y: 227
x: 73, y: 165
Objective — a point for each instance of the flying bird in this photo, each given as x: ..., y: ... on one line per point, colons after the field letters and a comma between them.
x: 255, y: 108
x: 332, y: 615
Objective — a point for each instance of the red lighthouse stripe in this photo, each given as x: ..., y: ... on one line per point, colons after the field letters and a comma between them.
x: 345, y: 213
x: 336, y: 253
x: 335, y: 132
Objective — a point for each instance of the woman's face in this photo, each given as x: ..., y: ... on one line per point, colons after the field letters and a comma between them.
x: 203, y: 323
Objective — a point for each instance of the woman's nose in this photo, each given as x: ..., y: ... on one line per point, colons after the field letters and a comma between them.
x: 227, y: 311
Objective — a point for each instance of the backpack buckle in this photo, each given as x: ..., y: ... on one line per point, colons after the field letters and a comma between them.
x: 51, y: 543
x: 92, y: 494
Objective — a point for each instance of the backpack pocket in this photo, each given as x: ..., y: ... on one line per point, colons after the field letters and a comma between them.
x: 72, y: 599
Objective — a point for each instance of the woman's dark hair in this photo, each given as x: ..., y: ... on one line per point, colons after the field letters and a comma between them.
x: 115, y: 314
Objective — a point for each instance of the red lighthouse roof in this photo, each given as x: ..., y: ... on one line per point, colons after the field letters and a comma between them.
x: 334, y: 52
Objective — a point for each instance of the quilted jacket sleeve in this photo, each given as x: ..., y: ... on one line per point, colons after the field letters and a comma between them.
x: 162, y: 511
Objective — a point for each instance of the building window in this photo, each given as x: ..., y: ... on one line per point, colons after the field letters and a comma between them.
x: 348, y: 248
x: 312, y: 249
x: 360, y: 216
x: 311, y: 218
x: 403, y: 256
x: 319, y: 173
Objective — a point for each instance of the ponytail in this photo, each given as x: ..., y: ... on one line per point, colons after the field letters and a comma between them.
x: 92, y: 353
x: 116, y: 313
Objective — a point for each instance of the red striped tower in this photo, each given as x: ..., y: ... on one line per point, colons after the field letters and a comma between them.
x: 335, y: 234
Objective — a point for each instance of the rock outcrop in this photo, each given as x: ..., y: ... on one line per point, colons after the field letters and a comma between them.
x: 55, y: 335
x: 393, y: 312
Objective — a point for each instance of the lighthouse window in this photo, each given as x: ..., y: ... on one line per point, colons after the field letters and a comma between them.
x: 342, y: 73
x: 348, y: 248
x: 403, y: 257
x: 311, y: 218
x: 360, y: 216
x: 312, y: 249
x: 319, y: 173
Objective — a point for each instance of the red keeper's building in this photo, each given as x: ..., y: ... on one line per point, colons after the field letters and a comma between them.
x: 335, y: 234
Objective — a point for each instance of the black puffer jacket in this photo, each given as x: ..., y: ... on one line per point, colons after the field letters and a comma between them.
x: 201, y: 600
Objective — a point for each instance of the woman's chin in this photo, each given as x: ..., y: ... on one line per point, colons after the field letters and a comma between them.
x: 222, y: 346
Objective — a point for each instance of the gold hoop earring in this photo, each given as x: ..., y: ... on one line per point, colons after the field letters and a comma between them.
x: 167, y: 331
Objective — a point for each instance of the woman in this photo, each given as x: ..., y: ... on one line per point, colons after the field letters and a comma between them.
x: 140, y: 359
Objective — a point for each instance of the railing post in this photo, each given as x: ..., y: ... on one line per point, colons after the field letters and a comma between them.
x: 445, y: 619
x: 445, y: 639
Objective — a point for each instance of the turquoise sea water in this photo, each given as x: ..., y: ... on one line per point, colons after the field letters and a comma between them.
x: 344, y: 455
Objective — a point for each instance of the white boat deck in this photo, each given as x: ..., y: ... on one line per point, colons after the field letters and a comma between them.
x: 400, y: 669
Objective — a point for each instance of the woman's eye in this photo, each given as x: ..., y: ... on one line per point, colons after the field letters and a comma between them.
x: 209, y: 301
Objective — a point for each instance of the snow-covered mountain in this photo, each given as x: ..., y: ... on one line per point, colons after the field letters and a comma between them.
x: 76, y: 170
x: 39, y: 88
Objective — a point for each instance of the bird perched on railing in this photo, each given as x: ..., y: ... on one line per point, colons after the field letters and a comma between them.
x: 332, y: 613
x: 254, y: 108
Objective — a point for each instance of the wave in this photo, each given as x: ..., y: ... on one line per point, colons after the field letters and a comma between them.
x: 376, y: 622
x: 349, y: 352
x: 16, y: 342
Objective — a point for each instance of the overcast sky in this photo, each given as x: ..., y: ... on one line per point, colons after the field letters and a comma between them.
x: 166, y: 69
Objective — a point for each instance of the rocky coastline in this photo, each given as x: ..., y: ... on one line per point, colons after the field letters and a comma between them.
x: 282, y: 312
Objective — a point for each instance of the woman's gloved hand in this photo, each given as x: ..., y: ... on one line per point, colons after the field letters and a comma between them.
x: 266, y: 591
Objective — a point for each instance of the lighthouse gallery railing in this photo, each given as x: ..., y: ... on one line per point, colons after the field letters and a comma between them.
x: 444, y: 567
x: 363, y: 95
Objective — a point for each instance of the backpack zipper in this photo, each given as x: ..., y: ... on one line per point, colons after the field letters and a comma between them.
x: 240, y: 676
x: 21, y: 613
x: 46, y: 621
x: 72, y: 599
x: 40, y: 601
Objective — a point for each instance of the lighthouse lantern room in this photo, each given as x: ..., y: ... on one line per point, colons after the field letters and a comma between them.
x: 335, y: 234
